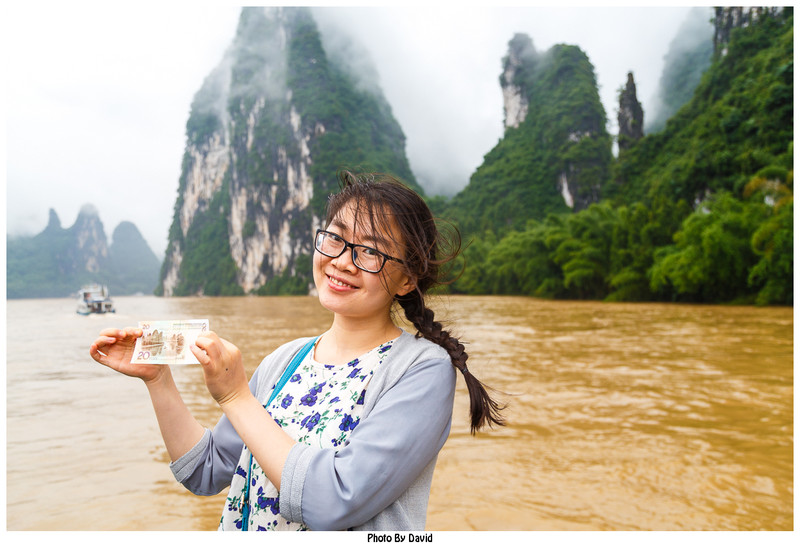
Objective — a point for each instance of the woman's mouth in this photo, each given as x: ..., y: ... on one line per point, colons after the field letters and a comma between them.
x: 340, y: 284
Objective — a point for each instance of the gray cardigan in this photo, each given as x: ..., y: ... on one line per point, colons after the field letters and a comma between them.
x: 381, y: 479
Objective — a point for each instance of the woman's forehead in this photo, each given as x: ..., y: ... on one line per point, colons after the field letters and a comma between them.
x: 365, y: 222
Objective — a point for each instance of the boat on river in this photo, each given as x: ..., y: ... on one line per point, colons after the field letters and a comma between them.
x: 94, y: 299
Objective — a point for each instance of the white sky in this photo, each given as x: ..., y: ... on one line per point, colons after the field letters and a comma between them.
x: 97, y: 95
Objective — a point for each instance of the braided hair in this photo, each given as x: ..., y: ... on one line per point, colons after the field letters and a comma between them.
x: 387, y: 203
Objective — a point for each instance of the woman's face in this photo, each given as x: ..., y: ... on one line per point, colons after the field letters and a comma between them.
x: 348, y: 291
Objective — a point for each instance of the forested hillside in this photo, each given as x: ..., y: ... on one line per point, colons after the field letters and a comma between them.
x: 557, y: 158
x: 701, y: 211
x: 267, y: 132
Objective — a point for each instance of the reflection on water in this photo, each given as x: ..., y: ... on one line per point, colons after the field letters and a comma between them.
x: 621, y: 416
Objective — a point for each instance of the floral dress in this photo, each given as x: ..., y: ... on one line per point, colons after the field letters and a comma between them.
x: 320, y: 405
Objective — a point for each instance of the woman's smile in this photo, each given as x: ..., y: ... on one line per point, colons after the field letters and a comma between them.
x: 338, y: 284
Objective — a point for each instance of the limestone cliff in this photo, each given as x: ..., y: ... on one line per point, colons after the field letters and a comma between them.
x: 555, y: 152
x: 521, y: 59
x: 58, y: 261
x: 630, y: 116
x: 89, y: 241
x: 726, y: 19
x: 266, y: 133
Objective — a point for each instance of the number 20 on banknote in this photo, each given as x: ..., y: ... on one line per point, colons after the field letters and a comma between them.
x: 167, y: 342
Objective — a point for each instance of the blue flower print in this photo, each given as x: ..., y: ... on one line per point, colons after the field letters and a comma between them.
x: 240, y: 471
x: 269, y: 502
x: 354, y: 373
x: 309, y: 422
x: 354, y: 362
x: 384, y: 349
x: 361, y: 398
x: 295, y: 378
x: 348, y: 423
x: 333, y: 400
x: 311, y: 398
x: 317, y: 388
x: 308, y: 400
x: 287, y: 401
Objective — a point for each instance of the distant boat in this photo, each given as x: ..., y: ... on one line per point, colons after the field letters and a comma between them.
x: 94, y: 299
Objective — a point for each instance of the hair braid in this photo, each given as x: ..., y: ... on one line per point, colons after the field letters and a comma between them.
x: 388, y: 206
x: 483, y: 409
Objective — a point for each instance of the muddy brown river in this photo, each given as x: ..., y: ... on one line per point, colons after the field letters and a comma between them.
x: 621, y: 416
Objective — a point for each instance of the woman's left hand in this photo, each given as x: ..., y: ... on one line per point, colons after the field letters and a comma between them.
x: 222, y: 368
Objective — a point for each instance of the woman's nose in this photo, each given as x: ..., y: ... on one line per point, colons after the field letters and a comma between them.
x: 345, y: 260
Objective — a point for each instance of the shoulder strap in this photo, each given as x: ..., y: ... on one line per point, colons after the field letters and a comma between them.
x: 298, y: 358
x: 295, y: 362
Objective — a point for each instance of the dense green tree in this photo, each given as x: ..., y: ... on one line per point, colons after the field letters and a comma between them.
x: 773, y: 241
x: 712, y: 255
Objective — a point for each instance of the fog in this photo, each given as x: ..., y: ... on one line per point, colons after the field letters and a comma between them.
x: 98, y: 96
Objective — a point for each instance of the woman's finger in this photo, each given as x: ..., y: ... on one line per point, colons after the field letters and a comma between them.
x: 200, y: 354
x: 210, y: 343
x: 105, y: 340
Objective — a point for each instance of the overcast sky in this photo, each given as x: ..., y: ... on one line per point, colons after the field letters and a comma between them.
x: 97, y: 95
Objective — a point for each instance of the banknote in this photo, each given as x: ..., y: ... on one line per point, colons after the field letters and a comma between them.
x: 167, y: 342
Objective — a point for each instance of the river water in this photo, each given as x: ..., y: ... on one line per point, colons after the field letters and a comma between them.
x: 621, y: 416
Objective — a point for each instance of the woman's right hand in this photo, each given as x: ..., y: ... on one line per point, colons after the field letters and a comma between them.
x: 114, y: 349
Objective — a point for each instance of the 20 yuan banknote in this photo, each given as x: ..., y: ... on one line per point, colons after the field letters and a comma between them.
x: 167, y: 342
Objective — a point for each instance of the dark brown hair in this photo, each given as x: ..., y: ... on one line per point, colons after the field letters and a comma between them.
x: 387, y: 203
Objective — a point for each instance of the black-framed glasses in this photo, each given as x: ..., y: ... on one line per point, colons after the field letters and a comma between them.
x: 366, y: 258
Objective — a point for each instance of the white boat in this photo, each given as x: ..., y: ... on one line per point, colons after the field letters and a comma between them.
x: 94, y: 299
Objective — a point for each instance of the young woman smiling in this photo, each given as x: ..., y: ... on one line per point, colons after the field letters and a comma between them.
x: 340, y: 431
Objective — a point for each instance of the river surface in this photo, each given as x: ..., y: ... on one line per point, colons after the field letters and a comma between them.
x: 620, y: 416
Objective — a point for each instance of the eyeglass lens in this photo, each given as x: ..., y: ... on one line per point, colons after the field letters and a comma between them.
x: 364, y: 257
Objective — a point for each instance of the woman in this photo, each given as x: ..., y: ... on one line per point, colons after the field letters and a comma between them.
x: 349, y: 438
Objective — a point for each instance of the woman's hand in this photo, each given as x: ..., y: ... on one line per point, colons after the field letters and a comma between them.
x: 222, y: 368
x: 114, y: 349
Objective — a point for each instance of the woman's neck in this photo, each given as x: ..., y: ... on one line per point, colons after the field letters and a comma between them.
x: 348, y: 339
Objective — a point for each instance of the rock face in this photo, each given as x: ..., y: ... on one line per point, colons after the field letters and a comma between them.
x: 728, y: 18
x: 265, y: 136
x: 91, y: 248
x: 520, y: 61
x: 630, y: 117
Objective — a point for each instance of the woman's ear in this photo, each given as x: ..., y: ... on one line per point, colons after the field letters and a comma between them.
x: 405, y: 286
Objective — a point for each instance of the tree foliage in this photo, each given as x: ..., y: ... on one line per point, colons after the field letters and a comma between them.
x: 699, y: 212
x: 563, y: 136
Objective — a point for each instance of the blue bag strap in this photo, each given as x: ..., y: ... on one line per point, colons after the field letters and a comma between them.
x: 287, y: 374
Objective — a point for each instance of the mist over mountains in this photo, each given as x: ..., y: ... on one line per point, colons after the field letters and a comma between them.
x: 58, y: 261
x: 551, y: 211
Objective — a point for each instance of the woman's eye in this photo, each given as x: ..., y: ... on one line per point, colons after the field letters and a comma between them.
x: 370, y: 252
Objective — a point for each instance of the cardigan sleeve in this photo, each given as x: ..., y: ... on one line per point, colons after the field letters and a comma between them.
x: 208, y: 467
x: 385, y: 454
